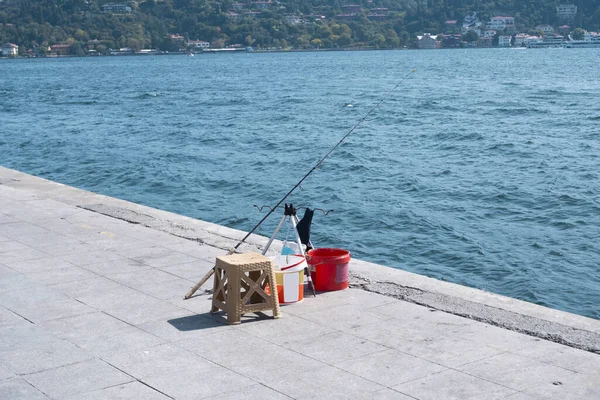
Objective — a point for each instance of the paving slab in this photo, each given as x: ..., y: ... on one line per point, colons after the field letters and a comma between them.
x: 335, y: 347
x: 151, y: 276
x: 5, y: 373
x: 46, y: 240
x: 37, y: 351
x: 85, y: 287
x: 243, y: 353
x: 38, y: 313
x: 20, y: 389
x: 115, y: 266
x: 168, y: 290
x: 202, y: 381
x: 173, y: 258
x: 389, y: 394
x: 390, y: 367
x: 578, y: 386
x: 9, y: 318
x: 61, y: 275
x: 329, y: 300
x: 189, y: 270
x: 188, y: 325
x: 71, y: 227
x: 65, y: 249
x: 5, y: 219
x: 454, y: 385
x: 100, y: 334
x: 29, y: 296
x: 128, y: 391
x: 77, y: 378
x: 288, y: 331
x: 91, y: 306
x: 22, y: 255
x: 198, y: 306
x: 178, y: 372
x: 14, y: 282
x: 142, y: 254
x: 154, y: 360
x: 447, y: 350
x: 562, y: 356
x: 130, y: 305
x: 10, y: 246
x: 6, y: 271
x: 40, y: 265
x: 21, y: 229
x: 93, y: 257
x: 255, y: 392
x: 344, y: 317
x: 328, y: 381
x: 521, y: 396
x: 518, y: 372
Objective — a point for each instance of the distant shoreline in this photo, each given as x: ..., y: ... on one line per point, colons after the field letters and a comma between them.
x: 181, y: 53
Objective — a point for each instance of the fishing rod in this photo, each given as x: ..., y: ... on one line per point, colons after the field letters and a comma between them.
x: 317, y: 165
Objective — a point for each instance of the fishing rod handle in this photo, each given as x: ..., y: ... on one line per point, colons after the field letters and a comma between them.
x: 204, y: 279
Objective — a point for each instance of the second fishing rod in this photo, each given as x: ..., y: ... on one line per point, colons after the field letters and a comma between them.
x: 316, y: 166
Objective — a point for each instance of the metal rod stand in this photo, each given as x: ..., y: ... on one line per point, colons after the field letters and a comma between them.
x: 291, y: 214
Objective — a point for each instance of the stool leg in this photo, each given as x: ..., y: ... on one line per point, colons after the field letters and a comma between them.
x: 217, y: 295
x: 233, y: 298
x: 274, y: 297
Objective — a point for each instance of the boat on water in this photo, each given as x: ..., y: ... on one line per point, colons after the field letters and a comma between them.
x: 223, y: 50
x: 555, y: 41
x: 590, y: 40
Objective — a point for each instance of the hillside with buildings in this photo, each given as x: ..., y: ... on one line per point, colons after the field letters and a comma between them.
x: 90, y: 27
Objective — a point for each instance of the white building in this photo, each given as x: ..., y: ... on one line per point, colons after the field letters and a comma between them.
x: 233, y: 16
x: 293, y: 19
x: 546, y: 29
x: 499, y: 23
x: 489, y: 33
x: 470, y: 22
x: 198, y: 44
x: 520, y: 39
x: 427, y: 41
x: 261, y: 5
x: 566, y: 11
x: 470, y: 19
x: 9, y: 50
x: 116, y: 9
x: 504, y: 41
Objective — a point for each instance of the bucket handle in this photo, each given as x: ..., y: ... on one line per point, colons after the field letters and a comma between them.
x: 328, y: 261
x: 296, y: 264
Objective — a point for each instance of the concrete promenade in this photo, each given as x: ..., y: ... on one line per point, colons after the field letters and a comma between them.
x: 91, y: 307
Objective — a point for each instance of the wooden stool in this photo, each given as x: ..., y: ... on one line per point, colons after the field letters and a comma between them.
x: 239, y: 286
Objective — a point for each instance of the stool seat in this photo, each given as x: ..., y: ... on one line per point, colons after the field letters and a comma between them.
x: 239, y: 286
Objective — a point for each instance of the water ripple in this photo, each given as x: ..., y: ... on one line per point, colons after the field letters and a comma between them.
x: 465, y: 173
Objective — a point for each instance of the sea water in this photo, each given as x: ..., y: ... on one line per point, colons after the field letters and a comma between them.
x: 482, y: 168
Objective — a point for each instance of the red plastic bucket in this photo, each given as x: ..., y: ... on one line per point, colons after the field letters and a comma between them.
x: 328, y: 268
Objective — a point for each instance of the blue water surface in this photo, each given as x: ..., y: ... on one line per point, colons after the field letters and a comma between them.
x: 482, y: 168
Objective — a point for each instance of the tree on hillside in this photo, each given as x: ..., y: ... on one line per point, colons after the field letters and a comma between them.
x: 470, y: 36
x: 578, y: 34
x: 35, y: 22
